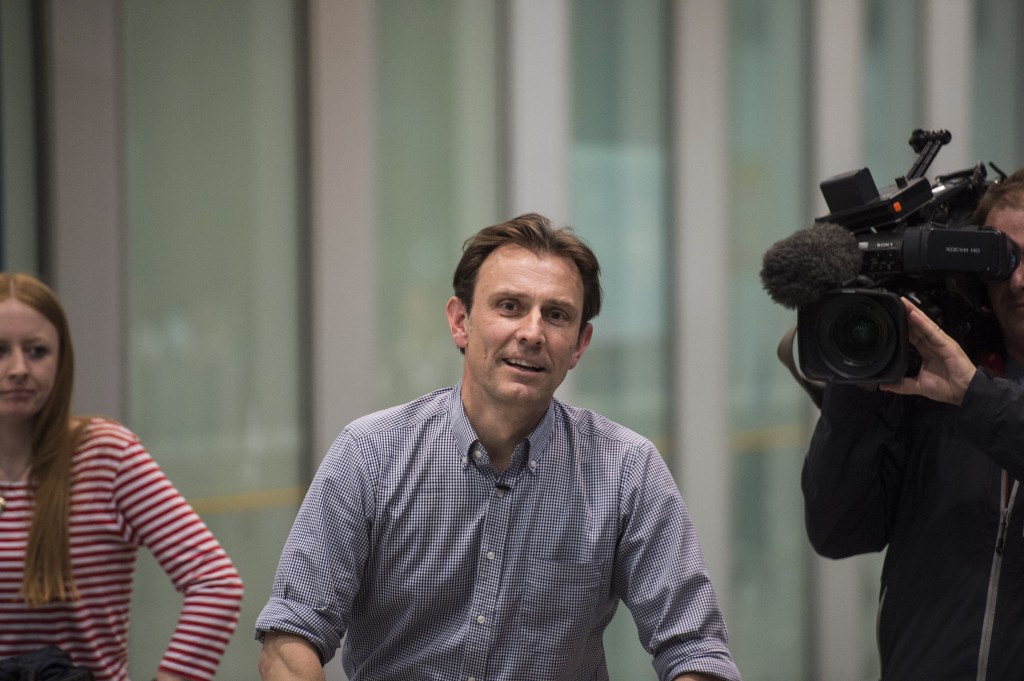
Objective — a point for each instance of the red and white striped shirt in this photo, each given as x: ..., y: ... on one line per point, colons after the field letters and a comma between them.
x: 120, y: 500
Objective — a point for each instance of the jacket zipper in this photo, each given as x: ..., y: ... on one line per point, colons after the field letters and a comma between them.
x: 878, y: 621
x: 1005, y: 507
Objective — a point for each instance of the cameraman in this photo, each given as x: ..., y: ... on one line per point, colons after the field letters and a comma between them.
x: 927, y: 468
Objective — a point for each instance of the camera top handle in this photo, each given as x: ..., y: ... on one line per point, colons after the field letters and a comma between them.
x: 926, y: 143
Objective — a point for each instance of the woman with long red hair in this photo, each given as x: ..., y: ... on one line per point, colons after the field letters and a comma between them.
x: 78, y: 497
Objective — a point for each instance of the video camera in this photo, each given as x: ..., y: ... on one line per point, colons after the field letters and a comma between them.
x: 915, y: 240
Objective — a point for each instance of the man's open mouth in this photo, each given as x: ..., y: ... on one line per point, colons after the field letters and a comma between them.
x: 520, y: 364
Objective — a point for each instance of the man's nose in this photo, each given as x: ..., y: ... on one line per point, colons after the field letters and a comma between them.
x: 531, y: 327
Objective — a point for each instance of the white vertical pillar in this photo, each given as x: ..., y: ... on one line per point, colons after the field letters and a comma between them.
x: 539, y: 107
x: 948, y: 68
x: 700, y: 130
x: 85, y: 193
x: 342, y: 82
x: 839, y: 40
x: 838, y: 85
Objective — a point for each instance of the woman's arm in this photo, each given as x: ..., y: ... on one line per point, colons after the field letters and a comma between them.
x: 193, y: 559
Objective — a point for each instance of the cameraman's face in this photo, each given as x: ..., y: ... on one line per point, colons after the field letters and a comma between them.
x: 1007, y: 297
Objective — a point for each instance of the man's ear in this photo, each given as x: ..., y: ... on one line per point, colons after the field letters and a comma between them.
x: 581, y: 344
x: 458, y: 321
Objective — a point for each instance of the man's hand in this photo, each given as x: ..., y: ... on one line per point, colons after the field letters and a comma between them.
x: 286, y: 657
x: 946, y: 371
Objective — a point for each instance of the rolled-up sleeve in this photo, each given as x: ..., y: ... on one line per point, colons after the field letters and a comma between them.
x: 317, y: 577
x: 663, y: 578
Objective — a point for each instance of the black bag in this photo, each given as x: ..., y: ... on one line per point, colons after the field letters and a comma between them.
x: 46, y: 664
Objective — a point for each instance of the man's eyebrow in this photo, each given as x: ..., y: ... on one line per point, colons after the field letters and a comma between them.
x: 564, y: 302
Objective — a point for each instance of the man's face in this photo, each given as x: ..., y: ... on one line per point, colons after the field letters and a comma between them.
x: 523, y: 334
x: 1007, y: 297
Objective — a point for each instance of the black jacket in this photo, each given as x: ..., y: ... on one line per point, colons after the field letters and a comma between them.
x: 46, y: 664
x: 926, y: 482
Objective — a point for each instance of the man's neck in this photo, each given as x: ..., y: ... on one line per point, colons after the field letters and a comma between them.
x: 500, y: 433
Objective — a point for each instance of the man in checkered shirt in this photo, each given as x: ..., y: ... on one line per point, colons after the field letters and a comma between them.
x: 488, y: 531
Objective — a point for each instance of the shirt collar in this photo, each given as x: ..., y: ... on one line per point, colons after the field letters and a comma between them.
x: 466, y: 437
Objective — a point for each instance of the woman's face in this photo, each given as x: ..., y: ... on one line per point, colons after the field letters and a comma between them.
x: 29, y: 356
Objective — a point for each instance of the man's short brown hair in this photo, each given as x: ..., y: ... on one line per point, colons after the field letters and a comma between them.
x: 535, y: 233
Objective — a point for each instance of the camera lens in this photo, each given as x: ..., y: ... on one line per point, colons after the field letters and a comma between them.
x: 857, y: 336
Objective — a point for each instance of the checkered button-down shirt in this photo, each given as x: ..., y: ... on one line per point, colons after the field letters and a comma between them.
x: 438, y: 566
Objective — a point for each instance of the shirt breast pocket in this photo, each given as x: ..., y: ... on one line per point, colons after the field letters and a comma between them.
x: 558, y: 616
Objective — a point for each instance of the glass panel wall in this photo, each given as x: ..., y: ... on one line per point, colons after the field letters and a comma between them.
x: 18, y: 195
x: 439, y: 177
x: 214, y: 180
x: 999, y: 96
x: 619, y: 203
x: 769, y: 152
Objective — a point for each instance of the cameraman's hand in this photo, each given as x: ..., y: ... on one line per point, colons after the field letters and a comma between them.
x: 946, y: 371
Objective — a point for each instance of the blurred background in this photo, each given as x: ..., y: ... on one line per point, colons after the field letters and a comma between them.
x: 252, y: 209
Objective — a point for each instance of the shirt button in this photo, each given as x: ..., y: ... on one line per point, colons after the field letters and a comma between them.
x: 499, y: 493
x: 480, y: 619
x: 472, y: 678
x: 490, y: 555
x: 533, y: 465
x: 477, y: 454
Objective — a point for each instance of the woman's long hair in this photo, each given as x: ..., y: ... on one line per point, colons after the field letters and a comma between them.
x: 54, y: 438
